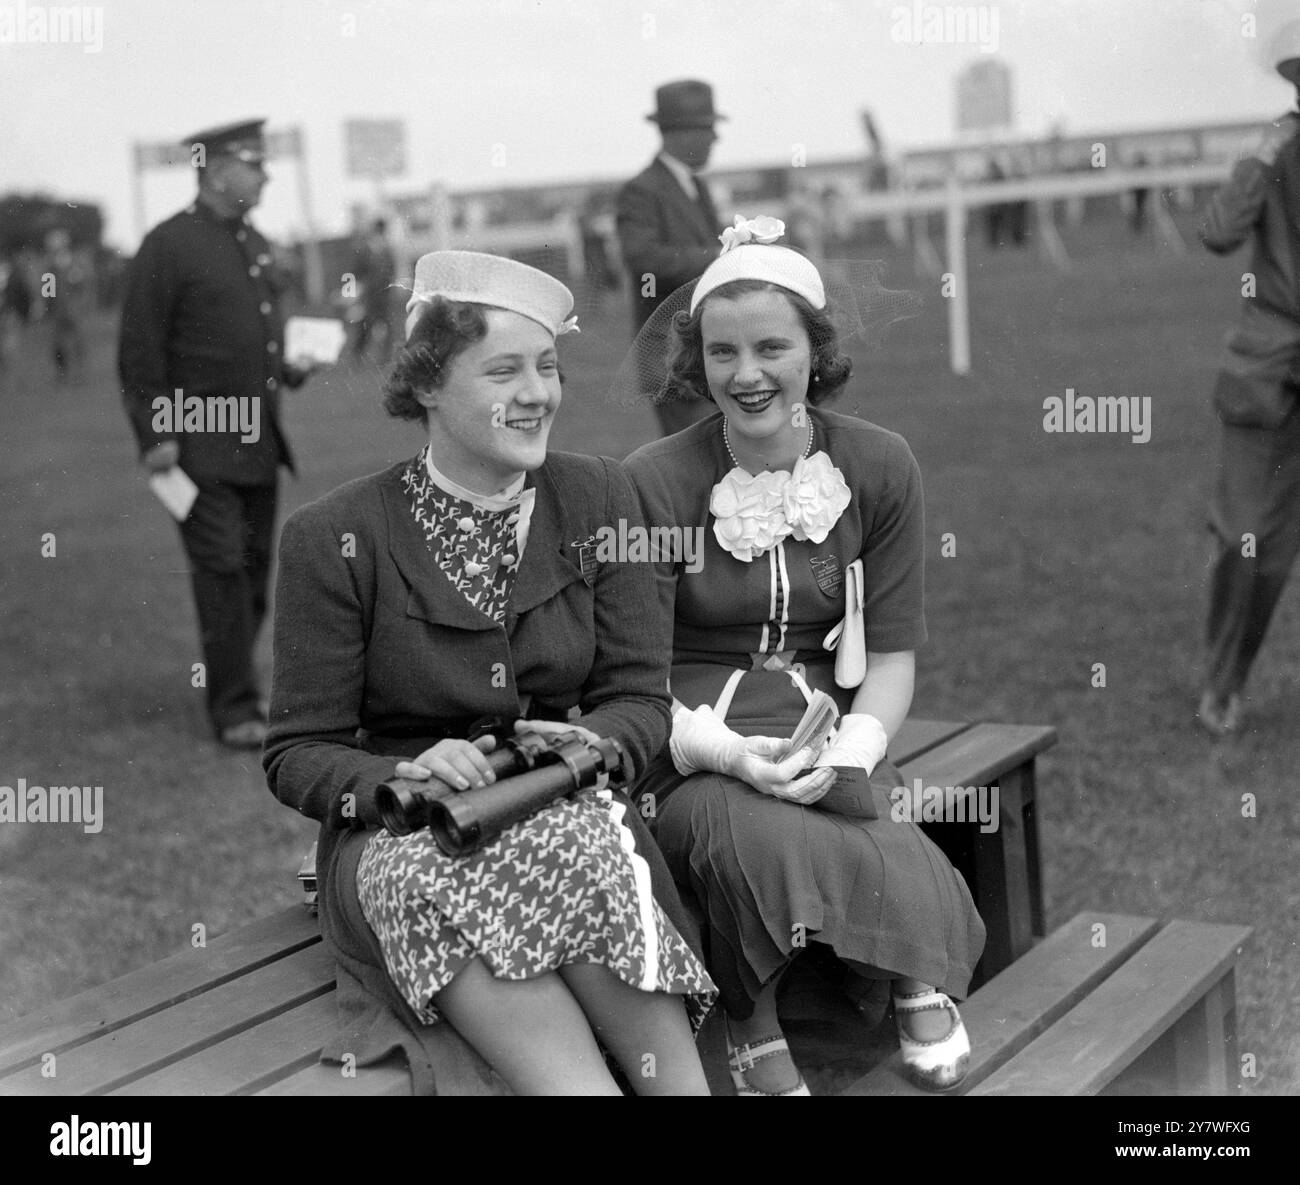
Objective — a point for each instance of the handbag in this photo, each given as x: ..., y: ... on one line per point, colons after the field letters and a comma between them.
x: 849, y: 638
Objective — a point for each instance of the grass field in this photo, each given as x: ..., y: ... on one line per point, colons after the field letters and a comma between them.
x: 1071, y: 550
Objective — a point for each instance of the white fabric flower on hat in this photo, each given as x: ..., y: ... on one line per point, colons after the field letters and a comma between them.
x: 814, y: 497
x: 749, y: 517
x: 763, y: 229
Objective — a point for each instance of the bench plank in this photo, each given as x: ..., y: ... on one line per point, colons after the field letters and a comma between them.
x: 255, y: 1057
x: 1013, y: 1008
x: 60, y: 1026
x: 196, y: 1023
x: 982, y: 752
x: 915, y: 737
x: 1112, y: 1027
x: 323, y: 1080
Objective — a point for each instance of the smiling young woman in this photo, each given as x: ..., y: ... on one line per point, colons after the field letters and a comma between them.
x: 413, y: 604
x: 814, y: 540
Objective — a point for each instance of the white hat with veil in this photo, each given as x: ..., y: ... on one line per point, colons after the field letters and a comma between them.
x: 850, y: 291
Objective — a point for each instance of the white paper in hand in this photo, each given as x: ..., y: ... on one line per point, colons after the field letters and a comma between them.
x: 176, y: 491
x: 313, y: 341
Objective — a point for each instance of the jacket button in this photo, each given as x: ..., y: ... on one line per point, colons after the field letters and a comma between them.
x: 472, y: 569
x: 254, y: 271
x: 270, y: 384
x: 508, y: 561
x: 264, y: 308
x: 465, y: 525
x: 272, y: 347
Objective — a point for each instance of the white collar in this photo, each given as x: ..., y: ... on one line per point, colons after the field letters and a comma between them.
x: 685, y: 178
x: 504, y: 500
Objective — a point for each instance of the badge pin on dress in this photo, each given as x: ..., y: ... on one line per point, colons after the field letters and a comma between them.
x: 849, y: 638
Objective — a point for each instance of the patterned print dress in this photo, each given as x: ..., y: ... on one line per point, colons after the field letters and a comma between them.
x: 564, y: 886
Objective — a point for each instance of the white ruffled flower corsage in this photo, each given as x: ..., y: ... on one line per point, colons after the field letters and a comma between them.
x: 763, y: 229
x: 814, y: 497
x: 570, y: 325
x: 752, y: 514
x: 749, y: 513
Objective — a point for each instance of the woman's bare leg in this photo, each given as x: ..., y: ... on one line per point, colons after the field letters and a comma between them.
x: 772, y: 1073
x: 647, y: 1032
x: 923, y: 1026
x: 532, y: 1032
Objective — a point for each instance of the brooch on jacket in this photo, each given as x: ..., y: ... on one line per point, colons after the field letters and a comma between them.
x: 587, y: 560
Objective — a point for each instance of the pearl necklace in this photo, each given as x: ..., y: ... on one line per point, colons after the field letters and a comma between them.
x: 726, y: 439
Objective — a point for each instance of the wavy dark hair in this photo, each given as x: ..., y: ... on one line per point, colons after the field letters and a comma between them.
x: 445, y: 329
x: 829, y: 371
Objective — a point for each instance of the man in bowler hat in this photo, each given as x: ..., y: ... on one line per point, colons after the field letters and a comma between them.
x: 667, y: 225
x: 1255, y: 506
x: 202, y: 329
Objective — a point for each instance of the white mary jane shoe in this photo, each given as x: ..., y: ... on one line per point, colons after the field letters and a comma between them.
x: 933, y: 1065
x: 742, y: 1058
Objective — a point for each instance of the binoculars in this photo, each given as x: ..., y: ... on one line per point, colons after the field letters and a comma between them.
x: 532, y: 771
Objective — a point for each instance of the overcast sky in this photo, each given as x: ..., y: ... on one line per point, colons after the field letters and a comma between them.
x: 508, y: 91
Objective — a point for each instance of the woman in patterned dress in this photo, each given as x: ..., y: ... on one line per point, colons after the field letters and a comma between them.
x: 445, y: 590
x: 785, y: 498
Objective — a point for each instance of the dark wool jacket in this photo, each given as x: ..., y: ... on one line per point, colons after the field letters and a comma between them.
x: 376, y: 653
x: 664, y: 234
x: 1259, y: 377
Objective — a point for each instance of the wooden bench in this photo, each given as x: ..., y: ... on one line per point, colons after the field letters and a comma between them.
x: 1108, y: 1004
x: 249, y: 1013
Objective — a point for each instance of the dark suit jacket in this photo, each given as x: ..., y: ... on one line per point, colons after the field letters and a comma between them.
x: 664, y: 234
x: 374, y: 647
x: 1259, y: 379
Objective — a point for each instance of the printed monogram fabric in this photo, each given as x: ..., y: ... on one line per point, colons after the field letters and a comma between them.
x: 558, y: 888
x: 475, y: 548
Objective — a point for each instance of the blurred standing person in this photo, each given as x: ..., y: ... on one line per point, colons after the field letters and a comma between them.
x: 1255, y: 506
x: 201, y: 324
x: 15, y: 308
x: 667, y: 224
x: 375, y: 270
x: 69, y: 302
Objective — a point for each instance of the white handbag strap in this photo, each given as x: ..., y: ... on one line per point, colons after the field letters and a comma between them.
x: 723, y: 706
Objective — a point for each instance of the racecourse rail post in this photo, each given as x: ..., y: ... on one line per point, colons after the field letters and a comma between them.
x: 959, y: 303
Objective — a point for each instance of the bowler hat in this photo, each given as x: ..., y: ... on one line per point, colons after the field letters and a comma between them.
x: 1284, y: 50
x: 685, y: 104
x: 243, y: 140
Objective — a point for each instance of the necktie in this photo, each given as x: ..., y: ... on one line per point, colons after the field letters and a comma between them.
x: 705, y: 204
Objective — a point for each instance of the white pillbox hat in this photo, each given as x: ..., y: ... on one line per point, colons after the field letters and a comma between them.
x: 476, y: 278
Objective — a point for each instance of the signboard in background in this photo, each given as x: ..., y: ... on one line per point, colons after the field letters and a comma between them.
x: 375, y: 147
x: 984, y: 96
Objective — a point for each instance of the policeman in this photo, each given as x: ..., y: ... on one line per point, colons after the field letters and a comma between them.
x: 202, y: 330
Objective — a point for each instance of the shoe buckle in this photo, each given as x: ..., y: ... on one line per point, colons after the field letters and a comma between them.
x: 743, y: 1058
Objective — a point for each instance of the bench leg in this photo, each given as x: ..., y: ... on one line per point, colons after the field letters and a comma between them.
x: 1003, y: 878
x: 1205, y: 1043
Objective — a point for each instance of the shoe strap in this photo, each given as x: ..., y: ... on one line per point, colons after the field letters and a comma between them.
x: 745, y: 1057
x: 921, y: 1001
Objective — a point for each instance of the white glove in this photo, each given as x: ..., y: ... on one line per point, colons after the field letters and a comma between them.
x: 860, y: 741
x: 700, y: 741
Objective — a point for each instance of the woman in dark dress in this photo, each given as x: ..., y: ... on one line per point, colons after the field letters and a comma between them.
x: 810, y: 528
x: 445, y: 590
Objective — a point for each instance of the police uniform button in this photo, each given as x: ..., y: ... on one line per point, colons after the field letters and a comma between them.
x: 472, y: 569
x: 265, y: 308
x: 254, y: 271
x: 264, y: 259
x: 465, y: 524
x: 272, y: 347
x: 241, y: 235
x: 270, y: 384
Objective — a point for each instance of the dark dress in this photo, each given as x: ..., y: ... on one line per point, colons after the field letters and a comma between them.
x: 767, y: 875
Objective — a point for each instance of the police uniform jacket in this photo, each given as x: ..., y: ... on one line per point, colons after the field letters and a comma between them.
x: 202, y: 315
